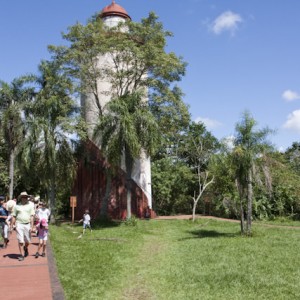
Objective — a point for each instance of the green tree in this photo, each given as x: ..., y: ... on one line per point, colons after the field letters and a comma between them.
x: 172, y: 185
x: 139, y: 66
x: 51, y: 121
x: 249, y: 145
x: 224, y: 196
x: 292, y: 155
x: 126, y: 130
x: 137, y: 52
x: 285, y: 186
x: 4, y: 178
x: 12, y: 99
x: 138, y: 62
x: 198, y: 148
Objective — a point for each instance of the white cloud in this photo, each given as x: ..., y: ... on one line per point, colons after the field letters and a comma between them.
x: 227, y: 21
x: 281, y: 149
x: 289, y: 95
x: 293, y: 121
x: 209, y: 123
x: 229, y: 142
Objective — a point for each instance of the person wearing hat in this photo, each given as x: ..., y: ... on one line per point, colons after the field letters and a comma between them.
x: 3, y: 224
x: 23, y: 214
x: 10, y: 204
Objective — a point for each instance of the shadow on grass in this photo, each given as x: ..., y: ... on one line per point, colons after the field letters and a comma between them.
x: 118, y: 240
x: 104, y: 223
x: 202, y: 233
x: 96, y: 224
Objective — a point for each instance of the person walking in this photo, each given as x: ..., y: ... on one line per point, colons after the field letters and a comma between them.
x: 42, y: 229
x: 86, y: 221
x: 3, y: 223
x: 42, y: 212
x: 10, y: 204
x: 22, y: 217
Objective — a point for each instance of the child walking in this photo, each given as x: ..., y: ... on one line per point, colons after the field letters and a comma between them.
x: 3, y: 222
x: 86, y: 221
x: 42, y: 229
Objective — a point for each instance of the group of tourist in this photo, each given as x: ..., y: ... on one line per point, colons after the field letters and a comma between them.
x: 26, y: 215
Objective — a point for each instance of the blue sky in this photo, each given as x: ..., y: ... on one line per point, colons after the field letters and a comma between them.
x: 241, y: 55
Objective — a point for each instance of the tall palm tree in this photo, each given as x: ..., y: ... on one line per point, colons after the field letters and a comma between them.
x: 50, y: 121
x: 249, y: 145
x: 126, y: 129
x: 13, y: 96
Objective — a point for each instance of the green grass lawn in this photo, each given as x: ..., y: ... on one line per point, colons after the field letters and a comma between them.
x: 178, y: 259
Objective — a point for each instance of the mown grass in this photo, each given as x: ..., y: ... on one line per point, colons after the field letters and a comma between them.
x: 178, y: 259
x: 282, y: 221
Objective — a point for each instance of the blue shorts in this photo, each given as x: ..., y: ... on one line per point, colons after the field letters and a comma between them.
x: 88, y: 225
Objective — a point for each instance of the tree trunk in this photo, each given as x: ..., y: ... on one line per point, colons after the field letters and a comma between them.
x: 128, y: 217
x: 202, y: 188
x: 129, y: 166
x: 249, y: 202
x: 52, y: 200
x: 242, y: 217
x: 242, y: 213
x: 104, y: 204
x: 11, y: 173
x: 194, y: 210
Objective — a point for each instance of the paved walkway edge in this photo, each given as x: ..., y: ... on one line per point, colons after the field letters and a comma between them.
x: 56, y: 287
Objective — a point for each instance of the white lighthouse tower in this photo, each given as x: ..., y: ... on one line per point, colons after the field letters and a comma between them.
x: 112, y: 15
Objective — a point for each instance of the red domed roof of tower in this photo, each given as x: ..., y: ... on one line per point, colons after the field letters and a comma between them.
x: 114, y: 10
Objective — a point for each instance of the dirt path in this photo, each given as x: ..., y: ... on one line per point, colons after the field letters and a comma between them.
x: 189, y: 217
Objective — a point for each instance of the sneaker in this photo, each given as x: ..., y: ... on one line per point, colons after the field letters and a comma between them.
x: 25, y: 251
x: 21, y: 258
x: 37, y: 255
x: 43, y: 254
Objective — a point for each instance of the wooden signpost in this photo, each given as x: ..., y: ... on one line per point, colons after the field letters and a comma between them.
x: 73, y: 204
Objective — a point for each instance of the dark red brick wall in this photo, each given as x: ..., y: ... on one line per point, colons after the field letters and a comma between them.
x: 90, y: 186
